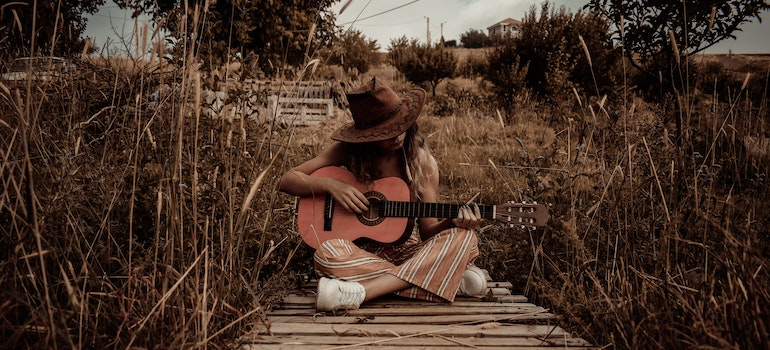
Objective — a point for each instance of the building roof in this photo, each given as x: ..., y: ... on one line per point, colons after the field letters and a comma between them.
x: 505, y: 21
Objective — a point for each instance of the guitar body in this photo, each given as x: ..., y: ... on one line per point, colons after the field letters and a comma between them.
x: 320, y: 218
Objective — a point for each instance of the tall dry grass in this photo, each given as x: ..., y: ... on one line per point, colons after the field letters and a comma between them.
x: 659, y: 237
x: 130, y: 223
x: 137, y: 223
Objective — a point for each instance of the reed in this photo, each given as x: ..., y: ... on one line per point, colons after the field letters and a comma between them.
x: 138, y: 221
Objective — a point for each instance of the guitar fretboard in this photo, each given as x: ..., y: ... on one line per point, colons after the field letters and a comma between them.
x: 425, y: 210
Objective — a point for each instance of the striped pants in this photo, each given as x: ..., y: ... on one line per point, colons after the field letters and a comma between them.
x: 434, y: 267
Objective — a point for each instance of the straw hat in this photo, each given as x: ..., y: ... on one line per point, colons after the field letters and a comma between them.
x: 379, y: 113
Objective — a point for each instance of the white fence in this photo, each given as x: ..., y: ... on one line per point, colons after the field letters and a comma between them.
x: 297, y: 103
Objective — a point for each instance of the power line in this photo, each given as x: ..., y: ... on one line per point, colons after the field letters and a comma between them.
x: 389, y: 24
x: 380, y: 13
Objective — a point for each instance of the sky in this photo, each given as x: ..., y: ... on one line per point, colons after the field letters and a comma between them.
x: 383, y: 20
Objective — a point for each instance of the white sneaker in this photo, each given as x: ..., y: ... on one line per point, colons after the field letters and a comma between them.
x: 474, y: 282
x: 334, y: 294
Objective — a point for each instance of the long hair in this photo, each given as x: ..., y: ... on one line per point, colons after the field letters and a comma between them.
x: 363, y: 159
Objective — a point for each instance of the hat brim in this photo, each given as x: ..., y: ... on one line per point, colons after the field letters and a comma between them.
x: 413, y: 101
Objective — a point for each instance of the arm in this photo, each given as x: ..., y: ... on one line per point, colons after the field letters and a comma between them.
x: 298, y: 181
x: 467, y: 218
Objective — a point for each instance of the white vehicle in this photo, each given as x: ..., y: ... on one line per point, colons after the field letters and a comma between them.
x: 38, y: 68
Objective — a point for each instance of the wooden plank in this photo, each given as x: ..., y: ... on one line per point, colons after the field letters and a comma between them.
x: 507, y: 285
x: 294, y: 299
x: 491, y: 329
x: 416, y: 311
x: 393, y: 342
x: 399, y: 347
x: 427, y: 319
x: 300, y: 110
x: 303, y: 100
x: 465, y: 302
x: 499, y: 320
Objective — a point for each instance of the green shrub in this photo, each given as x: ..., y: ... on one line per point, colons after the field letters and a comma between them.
x: 549, y: 57
x: 474, y: 38
x: 473, y: 66
x: 355, y: 51
x: 422, y: 64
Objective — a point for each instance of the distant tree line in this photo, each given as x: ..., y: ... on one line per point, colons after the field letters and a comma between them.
x: 554, y: 52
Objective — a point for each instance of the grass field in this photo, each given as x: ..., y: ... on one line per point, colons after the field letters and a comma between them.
x: 133, y: 220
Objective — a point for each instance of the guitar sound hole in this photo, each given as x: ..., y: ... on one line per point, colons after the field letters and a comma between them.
x: 372, y: 216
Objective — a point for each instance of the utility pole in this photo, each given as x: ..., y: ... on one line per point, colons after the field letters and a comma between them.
x: 442, y: 33
x: 427, y: 26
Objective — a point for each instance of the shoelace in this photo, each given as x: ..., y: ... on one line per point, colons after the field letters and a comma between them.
x: 350, y: 296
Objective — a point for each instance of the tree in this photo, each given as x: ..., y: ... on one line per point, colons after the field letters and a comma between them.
x: 506, y: 72
x: 645, y: 27
x: 58, y: 26
x: 271, y: 33
x: 473, y: 39
x: 354, y: 50
x: 548, y: 57
x: 422, y: 63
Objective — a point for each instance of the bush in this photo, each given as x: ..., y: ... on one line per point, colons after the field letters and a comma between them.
x: 473, y: 67
x: 443, y: 106
x: 549, y: 58
x: 356, y: 51
x: 509, y: 74
x: 474, y: 39
x: 422, y: 64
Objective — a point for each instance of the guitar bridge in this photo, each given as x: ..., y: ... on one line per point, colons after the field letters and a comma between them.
x: 328, y: 212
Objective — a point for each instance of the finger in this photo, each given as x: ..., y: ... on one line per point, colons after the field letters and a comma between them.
x: 360, y: 206
x: 468, y: 213
x: 461, y: 212
x: 350, y: 206
x: 360, y: 196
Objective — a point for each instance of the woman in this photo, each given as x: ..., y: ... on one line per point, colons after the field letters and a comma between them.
x: 383, y: 141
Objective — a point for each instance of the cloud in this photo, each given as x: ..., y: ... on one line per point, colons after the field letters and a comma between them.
x: 410, y: 18
x: 415, y: 18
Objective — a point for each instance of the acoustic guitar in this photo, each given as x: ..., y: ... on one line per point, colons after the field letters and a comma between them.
x: 389, y: 219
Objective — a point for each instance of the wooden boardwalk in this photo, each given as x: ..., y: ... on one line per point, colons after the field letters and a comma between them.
x: 497, y: 321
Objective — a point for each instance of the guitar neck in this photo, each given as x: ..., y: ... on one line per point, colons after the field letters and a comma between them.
x: 426, y: 210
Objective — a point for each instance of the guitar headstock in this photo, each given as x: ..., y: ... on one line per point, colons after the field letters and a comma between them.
x: 522, y: 214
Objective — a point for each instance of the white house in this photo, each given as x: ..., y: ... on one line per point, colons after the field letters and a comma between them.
x: 506, y: 27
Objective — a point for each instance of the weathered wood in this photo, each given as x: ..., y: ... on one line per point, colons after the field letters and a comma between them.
x: 429, y: 346
x: 491, y: 329
x: 300, y: 110
x: 496, y: 321
x: 432, y: 319
x: 393, y: 342
x: 499, y: 293
x: 295, y: 102
x: 310, y: 89
x: 309, y: 301
x: 436, y: 310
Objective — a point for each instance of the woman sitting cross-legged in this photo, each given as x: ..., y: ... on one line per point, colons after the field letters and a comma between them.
x: 435, y: 262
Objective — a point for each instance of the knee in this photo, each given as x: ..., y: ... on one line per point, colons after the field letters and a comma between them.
x: 471, y: 234
x: 463, y: 233
x: 459, y: 235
